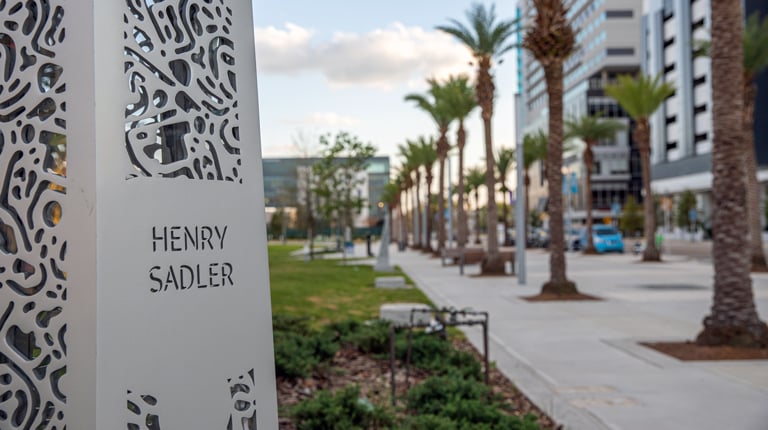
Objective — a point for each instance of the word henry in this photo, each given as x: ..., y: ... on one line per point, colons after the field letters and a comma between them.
x: 187, y: 239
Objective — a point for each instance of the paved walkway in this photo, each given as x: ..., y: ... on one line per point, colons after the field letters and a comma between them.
x: 581, y: 362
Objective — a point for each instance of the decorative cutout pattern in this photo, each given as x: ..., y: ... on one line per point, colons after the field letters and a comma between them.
x: 243, y: 391
x: 143, y: 412
x: 33, y: 287
x: 180, y: 68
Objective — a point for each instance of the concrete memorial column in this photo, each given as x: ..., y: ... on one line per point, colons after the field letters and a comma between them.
x: 134, y: 288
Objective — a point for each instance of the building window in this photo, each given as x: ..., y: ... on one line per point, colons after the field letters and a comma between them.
x: 669, y: 68
x: 700, y: 81
x: 619, y: 13
x: 701, y: 137
x: 669, y: 42
x: 699, y: 109
x: 671, y: 119
x: 620, y: 51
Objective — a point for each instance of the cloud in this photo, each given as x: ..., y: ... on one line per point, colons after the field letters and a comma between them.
x: 382, y: 58
x: 328, y: 119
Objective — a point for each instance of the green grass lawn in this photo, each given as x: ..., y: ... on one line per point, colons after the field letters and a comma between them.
x: 326, y: 291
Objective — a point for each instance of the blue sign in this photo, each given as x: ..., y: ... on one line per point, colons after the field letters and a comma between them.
x: 570, y: 184
x: 615, y: 208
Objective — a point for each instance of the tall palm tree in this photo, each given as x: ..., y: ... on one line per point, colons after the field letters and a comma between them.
x: 534, y: 150
x: 733, y: 319
x: 406, y: 170
x: 503, y: 162
x: 390, y: 196
x: 410, y: 153
x: 488, y: 39
x: 591, y: 130
x: 461, y: 100
x: 755, y: 41
x: 438, y: 109
x: 755, y: 61
x: 427, y: 157
x: 551, y: 40
x: 475, y: 180
x: 640, y: 97
x: 406, y: 182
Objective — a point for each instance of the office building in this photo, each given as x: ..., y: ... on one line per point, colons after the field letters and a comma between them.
x: 608, y: 45
x: 681, y: 138
x: 285, y: 187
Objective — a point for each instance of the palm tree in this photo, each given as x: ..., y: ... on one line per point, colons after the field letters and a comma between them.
x: 427, y: 156
x: 591, y: 130
x: 412, y: 164
x: 755, y: 41
x: 461, y: 100
x: 488, y: 39
x: 640, y: 97
x: 755, y: 61
x: 439, y: 111
x: 406, y: 179
x: 551, y: 40
x: 390, y: 196
x: 733, y: 319
x: 503, y: 162
x: 534, y: 150
x: 475, y: 180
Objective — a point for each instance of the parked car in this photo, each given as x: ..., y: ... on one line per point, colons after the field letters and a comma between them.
x: 539, y: 238
x: 573, y: 239
x: 606, y: 238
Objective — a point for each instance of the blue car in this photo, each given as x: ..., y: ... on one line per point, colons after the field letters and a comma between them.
x: 606, y: 238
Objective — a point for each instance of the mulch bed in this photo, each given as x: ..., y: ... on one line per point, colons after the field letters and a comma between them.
x: 689, y: 351
x: 550, y: 297
x: 372, y: 376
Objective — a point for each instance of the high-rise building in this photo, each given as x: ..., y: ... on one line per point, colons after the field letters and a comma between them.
x: 284, y: 186
x: 608, y: 45
x: 681, y: 139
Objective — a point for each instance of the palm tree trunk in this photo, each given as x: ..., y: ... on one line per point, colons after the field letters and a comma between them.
x: 441, y: 200
x: 527, y: 182
x: 642, y: 137
x: 403, y: 223
x: 733, y: 319
x: 504, y: 212
x: 753, y: 187
x: 588, y: 161
x: 428, y: 209
x: 417, y: 241
x: 558, y: 283
x: 460, y: 142
x: 477, y: 217
x: 492, y: 263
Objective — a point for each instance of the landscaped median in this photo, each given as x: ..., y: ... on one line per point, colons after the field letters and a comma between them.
x: 332, y: 359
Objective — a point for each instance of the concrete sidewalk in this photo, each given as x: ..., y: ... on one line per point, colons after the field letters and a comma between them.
x: 581, y: 362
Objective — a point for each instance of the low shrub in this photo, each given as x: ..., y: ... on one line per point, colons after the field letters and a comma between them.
x: 428, y: 422
x: 344, y: 410
x: 467, y: 403
x: 298, y: 349
x: 291, y: 324
x: 437, y: 355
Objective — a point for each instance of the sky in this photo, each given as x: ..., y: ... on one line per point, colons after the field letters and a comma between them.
x: 333, y: 65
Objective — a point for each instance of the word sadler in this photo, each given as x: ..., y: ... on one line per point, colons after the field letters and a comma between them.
x: 187, y: 239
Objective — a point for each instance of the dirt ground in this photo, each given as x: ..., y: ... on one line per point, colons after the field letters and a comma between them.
x: 372, y: 375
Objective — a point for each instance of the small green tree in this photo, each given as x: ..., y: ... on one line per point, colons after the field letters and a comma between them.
x: 632, y: 219
x: 337, y: 177
x: 686, y: 203
x: 276, y: 223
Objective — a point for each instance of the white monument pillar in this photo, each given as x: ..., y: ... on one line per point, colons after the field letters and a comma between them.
x: 134, y: 286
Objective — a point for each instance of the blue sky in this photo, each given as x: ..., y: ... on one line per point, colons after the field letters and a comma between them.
x: 333, y: 65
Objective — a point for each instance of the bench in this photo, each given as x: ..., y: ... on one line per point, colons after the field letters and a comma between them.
x: 474, y: 256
